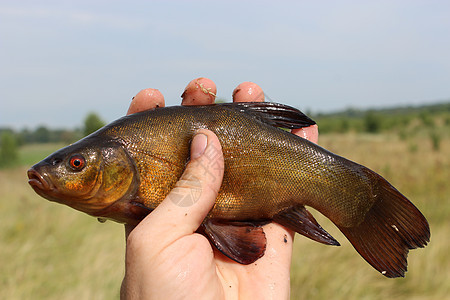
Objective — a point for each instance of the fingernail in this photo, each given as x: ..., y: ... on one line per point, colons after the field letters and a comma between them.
x: 198, y: 145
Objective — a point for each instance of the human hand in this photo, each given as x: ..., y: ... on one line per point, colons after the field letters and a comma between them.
x: 166, y: 258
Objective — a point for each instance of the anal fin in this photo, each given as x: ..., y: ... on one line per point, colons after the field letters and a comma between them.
x: 299, y: 219
x: 243, y: 242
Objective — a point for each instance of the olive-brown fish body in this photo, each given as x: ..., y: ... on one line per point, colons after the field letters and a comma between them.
x: 266, y: 169
x: 270, y: 175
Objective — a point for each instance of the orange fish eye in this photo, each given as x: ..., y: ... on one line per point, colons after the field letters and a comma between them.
x: 77, y: 162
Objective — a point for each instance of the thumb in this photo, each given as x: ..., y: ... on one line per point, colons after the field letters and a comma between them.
x: 193, y: 196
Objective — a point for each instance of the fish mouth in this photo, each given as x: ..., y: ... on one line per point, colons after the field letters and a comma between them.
x: 42, y: 185
x: 38, y: 181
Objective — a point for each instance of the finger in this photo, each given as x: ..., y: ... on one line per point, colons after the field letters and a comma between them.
x: 186, y: 206
x: 146, y: 99
x: 310, y: 133
x: 248, y: 92
x: 200, y: 91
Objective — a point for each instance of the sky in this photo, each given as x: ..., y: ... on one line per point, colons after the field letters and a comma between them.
x: 60, y: 60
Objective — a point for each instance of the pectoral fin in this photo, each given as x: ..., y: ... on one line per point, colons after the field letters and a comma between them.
x: 299, y: 219
x: 241, y: 241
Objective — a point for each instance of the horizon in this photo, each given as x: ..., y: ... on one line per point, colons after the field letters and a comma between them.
x: 79, y: 127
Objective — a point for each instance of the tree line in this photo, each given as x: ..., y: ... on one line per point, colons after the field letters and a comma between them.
x: 11, y: 140
x: 385, y: 120
x: 432, y: 120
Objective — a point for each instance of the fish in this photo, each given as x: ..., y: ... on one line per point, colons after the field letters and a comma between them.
x: 124, y: 170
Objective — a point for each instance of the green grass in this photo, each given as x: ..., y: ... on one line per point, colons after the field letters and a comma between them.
x: 33, y: 153
x: 52, y: 252
x: 49, y: 251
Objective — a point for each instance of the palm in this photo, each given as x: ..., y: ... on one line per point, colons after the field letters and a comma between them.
x: 268, y: 277
x: 196, y: 270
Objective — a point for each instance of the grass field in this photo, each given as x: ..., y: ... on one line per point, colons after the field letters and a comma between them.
x: 49, y: 251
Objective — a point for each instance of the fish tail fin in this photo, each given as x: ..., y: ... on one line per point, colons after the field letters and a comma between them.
x: 391, y: 227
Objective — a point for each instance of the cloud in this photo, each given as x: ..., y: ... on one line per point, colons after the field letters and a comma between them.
x: 75, y: 17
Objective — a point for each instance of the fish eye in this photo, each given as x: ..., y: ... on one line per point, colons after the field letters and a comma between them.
x: 77, y: 162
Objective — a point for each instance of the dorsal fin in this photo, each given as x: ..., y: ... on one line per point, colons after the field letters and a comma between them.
x: 275, y: 114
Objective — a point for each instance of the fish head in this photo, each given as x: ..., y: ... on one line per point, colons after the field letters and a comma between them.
x: 88, y: 176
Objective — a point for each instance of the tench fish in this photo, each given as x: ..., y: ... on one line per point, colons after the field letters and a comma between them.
x: 125, y: 169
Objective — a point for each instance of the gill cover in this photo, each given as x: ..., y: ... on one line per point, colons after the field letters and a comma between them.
x: 119, y: 175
